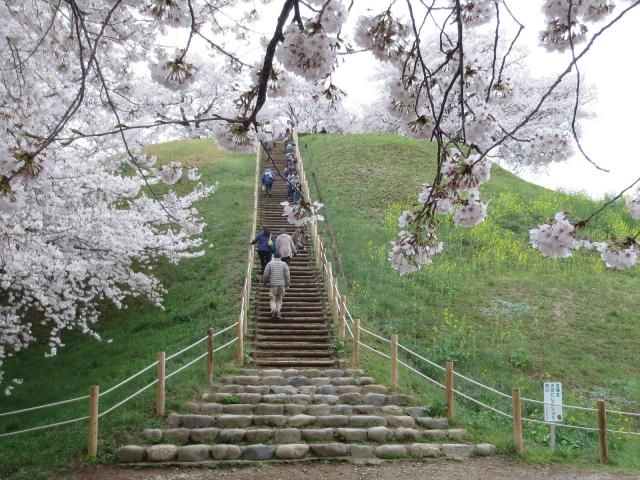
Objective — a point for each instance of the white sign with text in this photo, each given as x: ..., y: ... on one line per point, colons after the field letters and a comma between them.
x: 552, y: 401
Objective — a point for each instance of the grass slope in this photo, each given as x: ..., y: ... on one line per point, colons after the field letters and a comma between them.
x: 503, y: 313
x: 202, y: 292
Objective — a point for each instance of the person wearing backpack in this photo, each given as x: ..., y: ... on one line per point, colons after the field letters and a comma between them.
x: 266, y: 246
x: 267, y: 181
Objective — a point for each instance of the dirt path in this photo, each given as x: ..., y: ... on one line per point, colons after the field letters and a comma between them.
x: 477, y: 469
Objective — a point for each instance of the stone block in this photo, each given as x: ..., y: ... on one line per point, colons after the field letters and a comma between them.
x: 174, y: 420
x: 456, y: 450
x: 239, y: 409
x: 399, y: 399
x: 328, y: 399
x: 311, y: 372
x: 433, y: 423
x: 301, y: 420
x: 193, y: 453
x: 391, y: 451
x: 291, y: 372
x: 197, y: 421
x: 259, y: 435
x: 403, y: 434
x: 287, y: 389
x: 293, y: 409
x: 231, y: 435
x: 458, y: 434
x: 352, y: 434
x: 364, y: 381
x: 317, y: 434
x: 292, y: 452
x: 193, y: 407
x: 211, y: 408
x: 287, y: 435
x: 319, y: 381
x: 269, y: 409
x: 332, y: 421
x: 377, y: 399
x: 353, y: 372
x: 162, y: 453
x: 234, y: 421
x: 366, y: 421
x: 333, y: 373
x: 176, y: 435
x: 392, y: 410
x: 414, y: 411
x: 270, y: 420
x: 298, y: 381
x: 350, y: 398
x: 484, y: 450
x: 434, y: 434
x: 271, y: 381
x: 246, y: 380
x: 366, y: 410
x: 346, y: 389
x: 379, y: 434
x: 204, y: 435
x: 276, y: 398
x: 325, y: 450
x: 300, y: 399
x: 400, y: 421
x: 229, y: 389
x: 318, y: 410
x: 257, y: 452
x: 308, y: 389
x: 362, y: 451
x: 130, y: 454
x: 342, y: 410
x: 423, y: 450
x: 326, y: 390
x: 341, y: 381
x: 374, y: 389
x: 261, y: 389
x: 272, y: 372
x: 250, y: 398
x: 152, y: 434
x: 225, y: 452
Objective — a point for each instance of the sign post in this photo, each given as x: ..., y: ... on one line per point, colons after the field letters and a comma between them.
x: 552, y: 408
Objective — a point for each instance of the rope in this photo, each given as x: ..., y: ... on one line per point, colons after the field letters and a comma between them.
x: 128, y: 379
x: 122, y: 402
x: 226, y: 344
x: 374, y: 350
x: 43, y: 426
x: 362, y: 329
x: 564, y: 425
x: 185, y: 349
x: 498, y: 392
x: 186, y: 365
x: 61, y: 402
x: 224, y: 330
x: 433, y: 364
x: 346, y: 324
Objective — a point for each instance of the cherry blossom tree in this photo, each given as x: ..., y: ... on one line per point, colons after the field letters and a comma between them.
x: 85, y: 82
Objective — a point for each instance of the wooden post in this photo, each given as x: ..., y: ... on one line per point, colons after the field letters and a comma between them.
x: 602, y: 432
x: 336, y: 303
x: 160, y: 385
x: 330, y: 280
x: 240, y: 344
x: 343, y: 318
x: 210, y: 355
x: 94, y: 399
x: 449, y: 389
x: 356, y: 343
x: 517, y: 421
x: 394, y: 361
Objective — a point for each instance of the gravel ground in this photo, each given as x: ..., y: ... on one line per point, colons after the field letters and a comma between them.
x: 476, y: 469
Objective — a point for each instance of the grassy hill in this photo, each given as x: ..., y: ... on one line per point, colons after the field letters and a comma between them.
x: 503, y: 313
x: 202, y: 292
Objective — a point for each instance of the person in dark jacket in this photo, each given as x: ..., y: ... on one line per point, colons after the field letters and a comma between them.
x: 267, y: 181
x: 265, y: 242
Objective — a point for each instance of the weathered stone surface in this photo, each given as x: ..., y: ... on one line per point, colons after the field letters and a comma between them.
x: 130, y: 454
x: 392, y: 410
x: 270, y: 421
x: 379, y: 434
x: 231, y: 435
x: 364, y: 381
x: 161, y: 453
x: 298, y: 381
x: 423, y: 450
x: 224, y: 397
x: 300, y: 399
x: 345, y: 389
x: 269, y: 409
x: 432, y: 423
x: 257, y: 452
x: 366, y: 421
x: 249, y: 397
x: 330, y: 449
x: 328, y: 399
x: 434, y: 434
x: 456, y: 450
x: 293, y: 409
x: 373, y: 399
x: 332, y: 420
x: 274, y: 381
x: 259, y: 435
x: 319, y: 381
x: 366, y: 409
x: 246, y: 380
x: 403, y: 434
x: 197, y: 421
x: 362, y: 451
x: 292, y: 452
x: 288, y: 389
x: 287, y: 435
x: 152, y: 434
x: 341, y: 381
x: 311, y: 372
x: 317, y: 434
x: 193, y: 453
x: 276, y: 398
x: 374, y: 389
x: 225, y: 452
x: 333, y: 373
x: 484, y: 450
x: 176, y: 434
x: 204, y: 435
x: 272, y: 372
x: 308, y: 389
x: 342, y: 410
x: 353, y: 372
x: 350, y: 398
x: 352, y: 434
x: 401, y: 421
x: 261, y: 389
x: 193, y: 407
x: 458, y: 434
x: 391, y: 451
x: 234, y: 421
x: 301, y: 420
x: 399, y: 399
x: 326, y: 390
x: 211, y: 408
x: 251, y: 371
x: 318, y: 410
x: 291, y: 372
x: 230, y: 389
x: 414, y: 411
x: 239, y: 409
x: 174, y: 420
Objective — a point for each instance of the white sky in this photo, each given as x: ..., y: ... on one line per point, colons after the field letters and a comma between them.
x: 610, y: 65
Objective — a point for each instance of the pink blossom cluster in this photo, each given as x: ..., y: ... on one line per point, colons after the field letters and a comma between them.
x: 310, y: 54
x: 301, y: 213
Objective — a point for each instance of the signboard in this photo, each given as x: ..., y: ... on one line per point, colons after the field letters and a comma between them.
x: 552, y: 401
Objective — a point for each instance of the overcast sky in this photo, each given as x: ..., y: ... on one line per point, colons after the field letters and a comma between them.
x: 611, y: 66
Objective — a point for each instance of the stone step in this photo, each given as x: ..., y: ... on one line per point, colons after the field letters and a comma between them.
x: 203, y: 454
x: 300, y: 362
x: 361, y: 402
x: 279, y: 354
x: 302, y: 378
x: 284, y: 330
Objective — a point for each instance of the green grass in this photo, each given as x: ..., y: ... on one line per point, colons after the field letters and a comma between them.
x: 202, y: 292
x: 503, y: 313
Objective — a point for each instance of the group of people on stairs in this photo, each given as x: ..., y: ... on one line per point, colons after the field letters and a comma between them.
x: 290, y: 174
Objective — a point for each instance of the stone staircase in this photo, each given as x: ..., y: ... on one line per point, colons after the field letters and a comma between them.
x: 303, y: 337
x: 299, y: 414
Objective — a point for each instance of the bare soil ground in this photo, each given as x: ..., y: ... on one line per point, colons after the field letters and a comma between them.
x: 476, y: 469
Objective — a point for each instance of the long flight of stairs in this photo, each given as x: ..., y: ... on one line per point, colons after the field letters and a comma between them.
x: 303, y: 337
